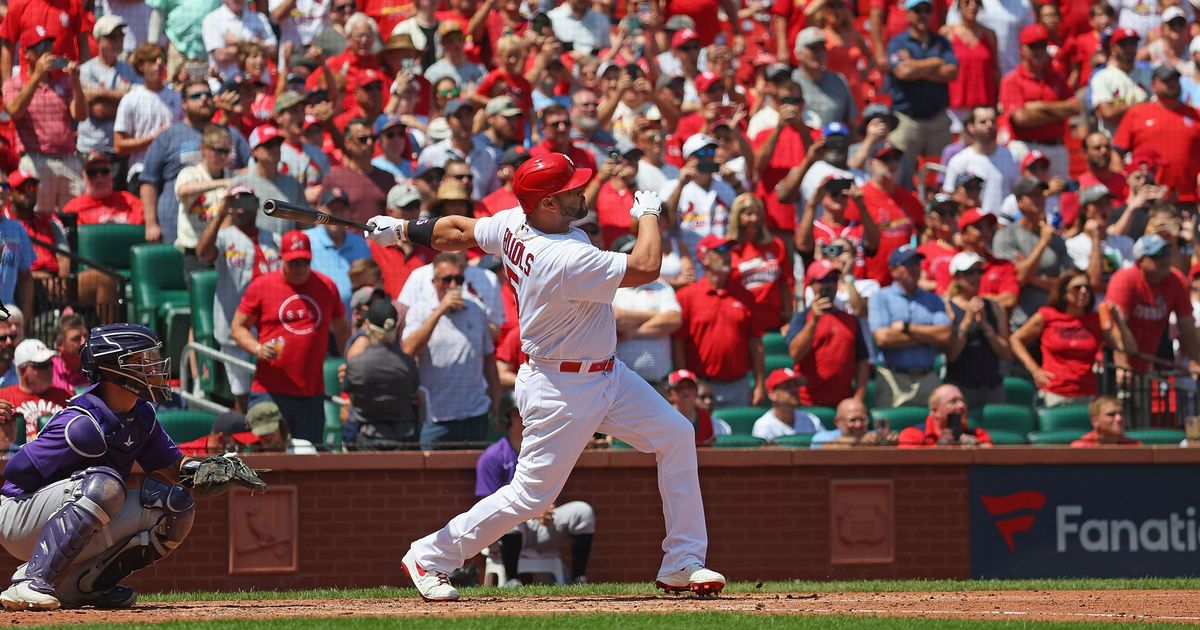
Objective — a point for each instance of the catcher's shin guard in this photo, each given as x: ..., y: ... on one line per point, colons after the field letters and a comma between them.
x: 98, y: 497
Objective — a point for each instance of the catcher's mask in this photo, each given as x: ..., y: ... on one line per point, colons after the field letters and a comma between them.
x: 129, y: 355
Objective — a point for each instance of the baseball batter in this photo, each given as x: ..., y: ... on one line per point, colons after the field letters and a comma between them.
x: 572, y: 385
x: 65, y: 508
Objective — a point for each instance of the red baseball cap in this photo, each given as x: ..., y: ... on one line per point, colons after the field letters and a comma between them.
x: 819, y: 270
x: 712, y: 242
x: 1122, y: 34
x: 1032, y: 157
x: 547, y: 175
x: 1034, y: 34
x: 296, y: 246
x: 678, y: 376
x: 887, y: 149
x: 973, y: 216
x: 1194, y: 271
x: 264, y: 134
x: 683, y: 36
x: 781, y: 376
x: 34, y: 36
x: 18, y: 177
x: 705, y: 80
x: 1147, y: 156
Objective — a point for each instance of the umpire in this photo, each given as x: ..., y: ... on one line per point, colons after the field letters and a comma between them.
x: 382, y: 383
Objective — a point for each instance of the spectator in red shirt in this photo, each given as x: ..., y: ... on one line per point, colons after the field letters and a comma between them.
x: 352, y: 65
x: 1147, y: 293
x: 683, y: 394
x: 1098, y: 151
x: 294, y: 311
x: 366, y: 99
x: 827, y: 345
x: 61, y: 21
x: 503, y: 197
x: 45, y: 104
x: 895, y: 209
x: 508, y: 79
x: 556, y: 128
x: 761, y: 263
x: 1083, y: 50
x: 611, y: 193
x: 1069, y: 331
x: 704, y: 12
x: 1108, y: 425
x: 100, y: 203
x: 975, y: 47
x: 1037, y: 102
x: 710, y: 88
x: 1170, y: 127
x: 777, y: 150
x: 999, y: 281
x: 35, y: 397
x: 937, y: 246
x: 946, y: 425
x: 229, y: 434
x: 835, y: 197
x: 718, y: 339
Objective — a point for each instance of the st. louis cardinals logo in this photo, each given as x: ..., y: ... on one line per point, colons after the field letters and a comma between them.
x: 300, y: 315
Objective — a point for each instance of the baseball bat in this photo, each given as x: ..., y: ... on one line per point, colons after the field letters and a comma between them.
x: 306, y: 215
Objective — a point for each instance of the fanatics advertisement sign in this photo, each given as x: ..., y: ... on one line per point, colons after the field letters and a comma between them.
x: 1084, y: 521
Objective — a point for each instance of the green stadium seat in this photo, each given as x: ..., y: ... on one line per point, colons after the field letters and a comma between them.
x: 740, y: 419
x: 774, y: 343
x: 1001, y: 437
x: 1014, y: 418
x: 333, y: 385
x: 901, y: 418
x: 939, y: 367
x: 1055, y: 437
x: 185, y: 425
x: 738, y: 441
x: 158, y: 286
x: 1019, y: 391
x: 1064, y: 417
x: 110, y: 244
x: 869, y: 399
x: 618, y: 445
x: 778, y: 361
x: 800, y: 440
x: 826, y: 414
x: 1164, y: 437
x: 200, y: 299
x: 333, y: 417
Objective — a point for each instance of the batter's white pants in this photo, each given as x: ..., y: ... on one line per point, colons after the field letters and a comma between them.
x: 561, y: 411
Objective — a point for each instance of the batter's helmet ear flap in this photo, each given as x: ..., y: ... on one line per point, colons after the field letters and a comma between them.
x: 547, y: 175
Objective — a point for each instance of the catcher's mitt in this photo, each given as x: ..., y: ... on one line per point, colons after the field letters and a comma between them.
x: 213, y: 475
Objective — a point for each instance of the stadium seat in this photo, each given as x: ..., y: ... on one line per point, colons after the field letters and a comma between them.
x: 738, y: 441
x: 901, y: 418
x: 1001, y: 437
x: 826, y: 414
x: 1019, y: 391
x: 778, y: 361
x: 774, y: 343
x: 158, y: 286
x: 618, y: 445
x: 1165, y: 437
x: 1064, y: 417
x: 869, y: 399
x: 1012, y: 418
x: 800, y: 440
x: 333, y: 411
x: 1056, y: 437
x: 740, y: 419
x: 185, y: 425
x: 110, y: 244
x: 200, y: 299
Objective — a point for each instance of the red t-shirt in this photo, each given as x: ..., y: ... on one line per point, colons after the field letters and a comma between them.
x: 581, y: 157
x: 1019, y: 87
x: 937, y: 262
x: 495, y: 27
x: 1147, y: 307
x: 500, y: 199
x: 1069, y: 347
x: 388, y: 13
x: 1092, y: 440
x: 766, y: 272
x: 1175, y: 133
x: 62, y: 20
x: 999, y: 277
x: 704, y: 427
x: 509, y: 348
x: 35, y: 408
x: 703, y: 12
x: 119, y: 207
x: 717, y: 324
x: 928, y: 434
x: 1080, y: 50
x: 688, y: 126
x: 832, y: 364
x: 199, y: 446
x: 302, y: 316
x: 612, y: 208
x: 899, y: 215
x: 826, y: 233
x: 789, y: 151
x: 47, y: 228
x: 353, y: 69
x: 793, y: 12
x: 395, y: 266
x: 498, y: 83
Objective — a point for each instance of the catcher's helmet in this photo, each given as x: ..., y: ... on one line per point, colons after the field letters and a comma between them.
x: 547, y: 175
x: 130, y: 356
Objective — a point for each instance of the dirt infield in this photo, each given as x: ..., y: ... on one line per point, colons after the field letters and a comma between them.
x: 1117, y: 606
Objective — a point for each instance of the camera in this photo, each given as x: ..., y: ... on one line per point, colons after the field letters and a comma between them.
x: 827, y: 291
x: 60, y: 63
x: 246, y: 202
x: 838, y: 186
x: 954, y: 423
x: 833, y: 251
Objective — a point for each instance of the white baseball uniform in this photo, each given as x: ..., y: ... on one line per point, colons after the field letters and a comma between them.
x: 565, y: 290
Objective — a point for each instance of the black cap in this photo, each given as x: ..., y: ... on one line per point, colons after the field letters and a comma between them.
x: 514, y: 156
x: 229, y: 423
x: 966, y: 177
x: 334, y: 193
x: 1166, y: 72
x: 382, y: 314
x: 1027, y: 185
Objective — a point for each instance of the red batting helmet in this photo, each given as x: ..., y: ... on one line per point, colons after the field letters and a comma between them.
x: 547, y: 175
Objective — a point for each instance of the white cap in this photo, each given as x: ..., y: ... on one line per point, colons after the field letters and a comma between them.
x: 1171, y: 13
x: 32, y: 351
x: 438, y: 129
x: 963, y: 261
x: 401, y: 195
x: 109, y: 23
x: 1194, y: 47
x: 695, y: 143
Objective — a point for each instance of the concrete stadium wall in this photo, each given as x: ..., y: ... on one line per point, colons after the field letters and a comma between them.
x: 346, y: 520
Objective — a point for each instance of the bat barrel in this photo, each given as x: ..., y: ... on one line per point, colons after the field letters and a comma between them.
x: 271, y: 206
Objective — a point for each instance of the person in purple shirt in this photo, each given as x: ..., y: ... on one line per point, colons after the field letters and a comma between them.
x: 65, y: 501
x: 540, y: 536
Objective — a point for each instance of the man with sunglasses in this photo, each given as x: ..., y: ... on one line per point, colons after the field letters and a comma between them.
x: 105, y: 79
x: 1038, y: 103
x: 100, y: 202
x: 397, y: 149
x: 367, y: 184
x: 777, y: 151
x: 1122, y: 83
x: 991, y: 163
x: 922, y: 64
x: 461, y: 145
x: 556, y: 129
x: 454, y: 63
x: 35, y: 397
x: 1169, y: 127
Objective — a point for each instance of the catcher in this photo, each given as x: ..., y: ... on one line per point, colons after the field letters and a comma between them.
x: 66, y: 509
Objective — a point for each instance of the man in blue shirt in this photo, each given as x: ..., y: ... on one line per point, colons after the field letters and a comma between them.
x: 910, y: 327
x: 922, y: 64
x: 16, y: 262
x: 334, y: 248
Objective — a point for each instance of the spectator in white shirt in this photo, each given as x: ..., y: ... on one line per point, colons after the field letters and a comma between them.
x: 992, y: 163
x: 577, y: 24
x: 106, y: 79
x: 784, y: 417
x: 1086, y: 229
x: 1120, y: 84
x: 146, y: 111
x: 697, y: 201
x: 646, y: 317
x: 481, y: 286
x: 300, y: 20
x: 653, y: 170
x: 229, y: 25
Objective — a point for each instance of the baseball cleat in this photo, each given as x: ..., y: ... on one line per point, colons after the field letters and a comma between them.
x: 26, y: 595
x: 695, y: 578
x: 434, y: 586
x: 119, y: 596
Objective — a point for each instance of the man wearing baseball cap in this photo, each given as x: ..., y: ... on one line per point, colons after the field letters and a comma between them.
x: 683, y: 389
x: 828, y: 94
x: 710, y: 91
x: 991, y: 163
x: 976, y: 230
x: 922, y: 63
x: 1122, y: 83
x: 1147, y: 294
x: 777, y: 151
x: 701, y: 200
x: 397, y: 263
x: 1038, y: 102
x: 1171, y: 128
x: 718, y: 339
x: 334, y: 248
x: 784, y: 417
x: 34, y: 397
x: 107, y: 78
x: 283, y: 349
x: 894, y: 208
x: 910, y: 327
x: 1034, y: 247
x: 827, y: 344
x: 265, y: 178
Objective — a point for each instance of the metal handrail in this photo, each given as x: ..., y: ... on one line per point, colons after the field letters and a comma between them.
x: 76, y: 258
x: 929, y: 166
x: 185, y: 390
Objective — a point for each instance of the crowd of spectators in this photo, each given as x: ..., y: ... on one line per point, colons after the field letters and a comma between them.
x: 790, y: 143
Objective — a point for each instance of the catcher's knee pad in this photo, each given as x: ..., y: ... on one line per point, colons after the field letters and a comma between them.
x: 178, y: 512
x: 101, y: 492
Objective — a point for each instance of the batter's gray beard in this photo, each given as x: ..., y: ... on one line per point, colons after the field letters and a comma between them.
x: 575, y: 212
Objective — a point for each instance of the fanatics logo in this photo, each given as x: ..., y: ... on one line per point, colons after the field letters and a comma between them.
x: 1014, y: 504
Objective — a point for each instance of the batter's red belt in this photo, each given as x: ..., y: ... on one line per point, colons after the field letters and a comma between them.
x: 594, y: 366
